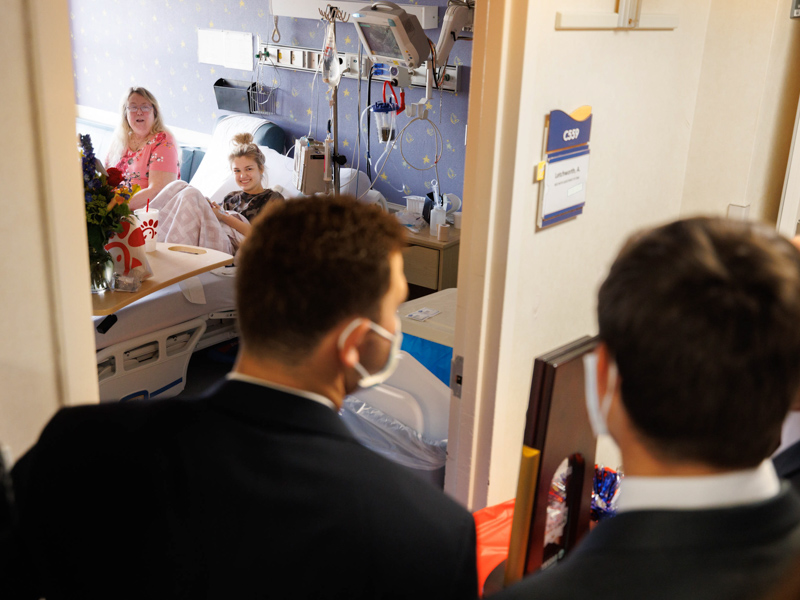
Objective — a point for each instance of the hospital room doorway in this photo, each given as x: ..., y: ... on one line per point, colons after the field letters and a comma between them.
x: 71, y: 344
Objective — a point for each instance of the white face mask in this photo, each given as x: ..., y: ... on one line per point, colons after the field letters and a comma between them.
x: 372, y: 379
x: 598, y: 411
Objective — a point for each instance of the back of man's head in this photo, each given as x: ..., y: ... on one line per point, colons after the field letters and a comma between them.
x: 702, y: 317
x: 307, y: 265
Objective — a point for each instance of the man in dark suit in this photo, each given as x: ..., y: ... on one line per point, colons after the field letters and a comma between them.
x: 256, y: 490
x: 697, y: 366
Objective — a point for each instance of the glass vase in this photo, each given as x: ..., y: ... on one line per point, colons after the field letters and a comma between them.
x: 101, y: 270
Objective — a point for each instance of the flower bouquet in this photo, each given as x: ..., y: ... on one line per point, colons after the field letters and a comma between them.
x: 106, y: 197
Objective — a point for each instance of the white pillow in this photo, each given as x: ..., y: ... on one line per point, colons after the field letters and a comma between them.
x: 279, y: 170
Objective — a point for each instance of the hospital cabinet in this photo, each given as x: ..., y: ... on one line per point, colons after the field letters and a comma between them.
x: 430, y: 263
x: 431, y: 341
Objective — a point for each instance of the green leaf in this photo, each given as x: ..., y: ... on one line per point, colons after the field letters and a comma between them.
x: 97, y: 237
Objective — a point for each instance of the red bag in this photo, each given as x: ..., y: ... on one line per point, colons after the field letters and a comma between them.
x: 493, y: 529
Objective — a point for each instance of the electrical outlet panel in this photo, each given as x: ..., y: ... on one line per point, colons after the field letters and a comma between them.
x: 284, y: 56
x: 308, y: 59
x: 351, y: 66
x: 298, y: 58
x: 449, y: 78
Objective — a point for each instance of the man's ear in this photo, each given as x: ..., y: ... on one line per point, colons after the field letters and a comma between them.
x: 353, y: 336
x: 603, y: 362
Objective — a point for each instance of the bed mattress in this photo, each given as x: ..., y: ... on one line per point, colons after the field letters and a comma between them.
x: 166, y: 307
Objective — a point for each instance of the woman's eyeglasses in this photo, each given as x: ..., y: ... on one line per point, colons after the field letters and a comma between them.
x: 144, y: 109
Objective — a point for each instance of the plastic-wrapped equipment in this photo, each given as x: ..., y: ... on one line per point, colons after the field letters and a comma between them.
x: 392, y: 439
x: 404, y: 419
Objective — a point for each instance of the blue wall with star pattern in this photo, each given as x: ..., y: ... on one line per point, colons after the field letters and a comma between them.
x: 153, y: 43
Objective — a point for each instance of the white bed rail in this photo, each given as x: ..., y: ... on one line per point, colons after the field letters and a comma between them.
x: 149, y: 366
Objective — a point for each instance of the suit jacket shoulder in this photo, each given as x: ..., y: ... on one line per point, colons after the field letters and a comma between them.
x: 731, y: 553
x: 228, y: 496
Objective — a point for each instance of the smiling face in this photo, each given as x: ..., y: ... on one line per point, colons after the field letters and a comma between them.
x: 141, y: 115
x: 247, y: 174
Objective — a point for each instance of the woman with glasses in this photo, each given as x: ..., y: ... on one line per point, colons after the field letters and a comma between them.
x: 143, y: 148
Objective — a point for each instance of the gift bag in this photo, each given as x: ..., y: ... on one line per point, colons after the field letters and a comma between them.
x: 127, y: 251
x: 493, y: 533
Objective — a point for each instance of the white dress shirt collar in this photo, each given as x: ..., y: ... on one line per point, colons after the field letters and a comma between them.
x: 699, y: 492
x: 282, y: 388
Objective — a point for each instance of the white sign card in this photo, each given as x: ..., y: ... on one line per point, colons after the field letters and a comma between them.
x: 231, y: 49
x: 565, y: 184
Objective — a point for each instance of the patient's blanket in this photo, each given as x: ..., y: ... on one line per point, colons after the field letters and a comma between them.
x: 187, y: 218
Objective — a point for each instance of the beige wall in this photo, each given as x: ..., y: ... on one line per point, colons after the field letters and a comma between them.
x: 642, y: 87
x: 43, y: 299
x: 746, y: 106
x: 685, y: 121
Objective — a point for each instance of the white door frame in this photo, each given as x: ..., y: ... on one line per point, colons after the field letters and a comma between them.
x: 42, y: 118
x: 789, y: 213
x: 492, y: 125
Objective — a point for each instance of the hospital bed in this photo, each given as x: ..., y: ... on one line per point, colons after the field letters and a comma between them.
x: 143, y: 350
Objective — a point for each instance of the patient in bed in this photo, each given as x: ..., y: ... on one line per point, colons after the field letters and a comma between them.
x: 247, y: 163
x: 186, y: 216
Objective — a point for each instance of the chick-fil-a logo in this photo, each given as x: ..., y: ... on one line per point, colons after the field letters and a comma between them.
x: 119, y: 247
x: 149, y: 228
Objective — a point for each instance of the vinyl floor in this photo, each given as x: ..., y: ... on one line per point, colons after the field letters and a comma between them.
x: 208, y: 366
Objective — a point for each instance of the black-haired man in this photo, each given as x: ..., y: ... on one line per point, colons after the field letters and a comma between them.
x: 697, y: 366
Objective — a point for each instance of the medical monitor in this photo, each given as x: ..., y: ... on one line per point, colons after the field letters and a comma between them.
x: 391, y: 35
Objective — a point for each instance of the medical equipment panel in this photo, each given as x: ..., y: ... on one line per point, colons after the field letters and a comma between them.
x: 312, y: 166
x: 391, y: 35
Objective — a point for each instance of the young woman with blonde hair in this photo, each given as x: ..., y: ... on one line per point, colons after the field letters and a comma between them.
x: 247, y: 164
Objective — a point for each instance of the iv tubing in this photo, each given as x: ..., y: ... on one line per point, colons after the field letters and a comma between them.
x: 435, y: 165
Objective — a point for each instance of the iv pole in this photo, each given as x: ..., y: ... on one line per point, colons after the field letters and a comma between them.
x: 331, y: 15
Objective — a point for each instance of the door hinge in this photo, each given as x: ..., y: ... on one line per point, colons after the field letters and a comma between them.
x: 456, y: 374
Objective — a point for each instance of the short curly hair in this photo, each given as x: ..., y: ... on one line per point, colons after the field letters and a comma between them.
x: 307, y: 265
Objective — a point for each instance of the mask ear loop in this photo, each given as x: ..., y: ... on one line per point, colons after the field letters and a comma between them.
x: 368, y: 378
x: 596, y: 409
x: 382, y: 331
x: 351, y: 327
x: 591, y: 395
x: 611, y: 385
x: 396, y: 339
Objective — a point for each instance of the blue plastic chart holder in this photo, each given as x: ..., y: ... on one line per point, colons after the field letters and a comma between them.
x: 564, y: 172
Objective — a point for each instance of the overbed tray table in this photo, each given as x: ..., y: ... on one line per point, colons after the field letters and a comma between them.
x: 171, y: 263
